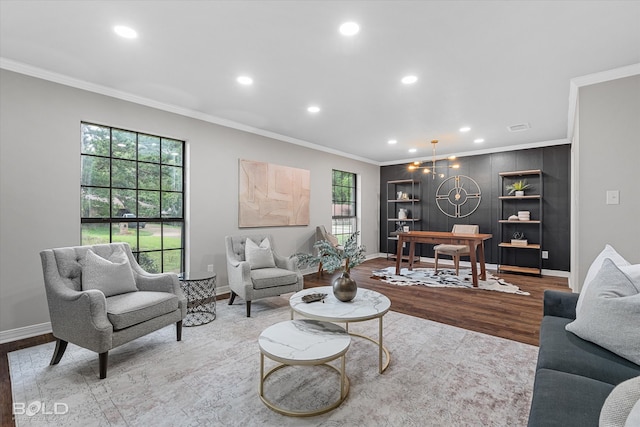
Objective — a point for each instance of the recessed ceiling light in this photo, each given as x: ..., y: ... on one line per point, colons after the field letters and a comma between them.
x: 349, y: 28
x: 392, y: 141
x: 478, y: 140
x: 413, y: 150
x: 313, y: 109
x: 465, y: 129
x: 126, y: 32
x: 409, y: 80
x: 245, y: 80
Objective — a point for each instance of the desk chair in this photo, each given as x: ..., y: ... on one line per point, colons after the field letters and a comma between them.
x: 456, y: 251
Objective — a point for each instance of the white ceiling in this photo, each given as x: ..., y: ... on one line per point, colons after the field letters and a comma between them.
x: 483, y: 64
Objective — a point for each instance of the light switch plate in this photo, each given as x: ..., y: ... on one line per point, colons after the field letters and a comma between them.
x: 613, y: 197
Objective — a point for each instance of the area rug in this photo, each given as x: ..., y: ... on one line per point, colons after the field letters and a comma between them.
x: 439, y: 375
x: 444, y: 278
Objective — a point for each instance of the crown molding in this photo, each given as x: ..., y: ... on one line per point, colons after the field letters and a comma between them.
x: 483, y: 151
x: 18, y: 67
x: 590, y: 79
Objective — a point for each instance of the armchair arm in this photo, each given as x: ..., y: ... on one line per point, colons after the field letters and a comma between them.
x: 238, y: 271
x: 290, y: 264
x: 560, y: 304
x: 80, y: 317
x: 163, y: 282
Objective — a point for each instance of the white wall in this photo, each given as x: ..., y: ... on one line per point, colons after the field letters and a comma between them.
x: 40, y: 184
x: 607, y: 154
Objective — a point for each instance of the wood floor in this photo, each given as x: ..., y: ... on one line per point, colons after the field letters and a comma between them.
x: 515, y: 317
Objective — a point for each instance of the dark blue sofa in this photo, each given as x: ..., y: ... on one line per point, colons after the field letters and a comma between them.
x: 573, y: 376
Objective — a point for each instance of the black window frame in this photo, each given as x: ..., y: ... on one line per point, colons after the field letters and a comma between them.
x: 161, y: 219
x: 341, y: 217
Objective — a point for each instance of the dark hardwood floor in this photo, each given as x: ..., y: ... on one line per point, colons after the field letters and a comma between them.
x: 515, y: 317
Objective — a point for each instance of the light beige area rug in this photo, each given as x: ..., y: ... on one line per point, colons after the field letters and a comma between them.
x: 439, y: 376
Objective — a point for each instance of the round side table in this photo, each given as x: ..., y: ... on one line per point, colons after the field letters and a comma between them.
x: 304, y: 342
x: 200, y: 289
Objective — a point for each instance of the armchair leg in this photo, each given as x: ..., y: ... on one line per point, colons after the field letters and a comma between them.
x: 61, y: 346
x: 179, y: 330
x: 103, y: 358
x: 248, y: 308
x: 232, y: 297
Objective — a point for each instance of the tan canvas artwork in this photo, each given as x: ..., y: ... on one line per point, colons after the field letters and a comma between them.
x: 272, y: 195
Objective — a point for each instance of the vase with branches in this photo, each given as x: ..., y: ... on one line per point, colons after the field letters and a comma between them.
x: 341, y: 257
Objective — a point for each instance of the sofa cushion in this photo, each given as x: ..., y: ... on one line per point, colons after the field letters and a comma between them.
x: 610, y: 315
x: 270, y: 277
x: 129, y: 309
x: 259, y: 256
x: 564, y: 351
x: 596, y: 265
x: 112, y: 276
x: 566, y: 400
x: 618, y: 406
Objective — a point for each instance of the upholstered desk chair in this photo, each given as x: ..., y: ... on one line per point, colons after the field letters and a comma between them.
x: 323, y: 234
x: 256, y: 271
x: 100, y: 298
x: 456, y: 251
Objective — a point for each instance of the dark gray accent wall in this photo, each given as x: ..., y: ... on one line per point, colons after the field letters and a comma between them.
x: 554, y: 161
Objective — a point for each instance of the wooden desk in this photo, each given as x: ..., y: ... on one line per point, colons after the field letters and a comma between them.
x: 474, y: 241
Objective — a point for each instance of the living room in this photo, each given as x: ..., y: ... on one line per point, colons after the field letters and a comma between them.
x: 41, y: 112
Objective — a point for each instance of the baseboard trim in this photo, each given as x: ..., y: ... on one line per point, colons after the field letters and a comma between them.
x: 25, y: 332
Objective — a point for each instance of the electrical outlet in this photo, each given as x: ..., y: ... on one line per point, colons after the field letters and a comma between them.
x: 210, y: 268
x: 545, y: 254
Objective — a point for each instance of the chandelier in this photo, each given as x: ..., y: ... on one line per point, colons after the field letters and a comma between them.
x: 433, y: 169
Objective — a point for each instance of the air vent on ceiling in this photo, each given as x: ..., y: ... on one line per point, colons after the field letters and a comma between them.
x: 519, y: 127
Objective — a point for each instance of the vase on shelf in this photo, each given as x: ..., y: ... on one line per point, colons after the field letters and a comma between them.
x: 344, y: 287
x: 519, y: 193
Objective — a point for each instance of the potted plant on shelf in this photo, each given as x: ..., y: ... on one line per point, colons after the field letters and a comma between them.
x: 337, y: 258
x: 518, y: 188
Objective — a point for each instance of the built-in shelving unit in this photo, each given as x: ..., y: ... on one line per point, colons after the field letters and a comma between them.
x: 403, y: 212
x: 519, y: 258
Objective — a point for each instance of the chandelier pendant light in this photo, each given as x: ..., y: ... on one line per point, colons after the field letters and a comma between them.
x: 433, y: 168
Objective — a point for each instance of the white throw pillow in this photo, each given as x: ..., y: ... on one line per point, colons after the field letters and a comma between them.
x: 259, y: 256
x: 112, y: 276
x: 610, y: 315
x: 633, y: 273
x: 607, y: 252
x: 633, y: 420
x: 621, y: 404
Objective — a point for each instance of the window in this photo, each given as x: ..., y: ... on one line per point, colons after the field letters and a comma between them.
x: 132, y: 190
x: 343, y: 219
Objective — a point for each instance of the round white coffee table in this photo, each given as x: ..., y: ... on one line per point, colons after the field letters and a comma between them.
x: 367, y: 305
x: 304, y: 342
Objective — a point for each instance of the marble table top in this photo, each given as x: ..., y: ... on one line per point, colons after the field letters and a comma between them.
x: 366, y: 305
x: 304, y: 341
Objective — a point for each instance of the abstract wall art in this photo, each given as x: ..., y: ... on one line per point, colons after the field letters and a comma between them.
x: 272, y: 195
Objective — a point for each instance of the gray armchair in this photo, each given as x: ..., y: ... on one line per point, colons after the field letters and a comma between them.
x: 254, y: 283
x: 100, y: 323
x: 323, y: 234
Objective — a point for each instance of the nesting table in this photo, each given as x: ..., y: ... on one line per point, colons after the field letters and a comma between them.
x: 304, y: 342
x: 367, y: 305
